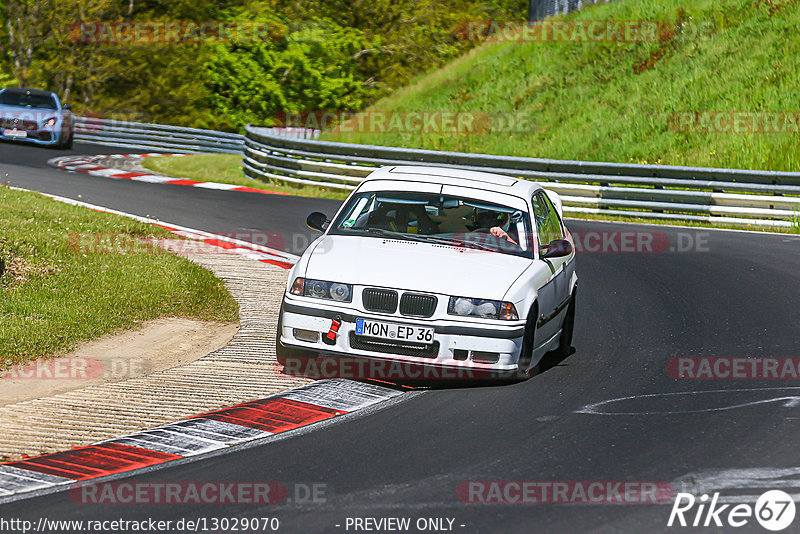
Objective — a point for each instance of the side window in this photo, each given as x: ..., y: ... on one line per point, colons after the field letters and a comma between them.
x: 555, y: 224
x: 540, y: 219
x: 548, y: 226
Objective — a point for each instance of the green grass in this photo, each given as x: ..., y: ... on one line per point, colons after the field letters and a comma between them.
x: 594, y: 101
x: 56, y: 292
x: 795, y: 220
x: 227, y: 169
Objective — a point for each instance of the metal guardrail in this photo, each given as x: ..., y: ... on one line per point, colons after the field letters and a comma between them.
x: 764, y: 198
x: 157, y: 137
x: 661, y: 191
x: 177, y: 139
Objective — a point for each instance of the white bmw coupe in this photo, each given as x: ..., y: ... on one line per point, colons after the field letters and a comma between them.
x: 439, y: 267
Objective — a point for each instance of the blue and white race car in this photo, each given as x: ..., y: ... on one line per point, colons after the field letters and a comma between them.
x: 35, y: 116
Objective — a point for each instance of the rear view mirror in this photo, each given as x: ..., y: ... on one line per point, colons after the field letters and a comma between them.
x: 317, y: 221
x: 66, y: 106
x: 558, y: 249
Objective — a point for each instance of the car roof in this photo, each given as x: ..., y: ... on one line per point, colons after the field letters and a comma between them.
x: 24, y: 90
x: 457, y: 177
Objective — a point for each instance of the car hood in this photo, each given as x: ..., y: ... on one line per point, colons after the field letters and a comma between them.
x: 413, y: 265
x: 29, y: 113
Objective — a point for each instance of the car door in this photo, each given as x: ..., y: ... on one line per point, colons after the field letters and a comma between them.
x: 564, y: 278
x: 564, y: 275
x: 555, y: 291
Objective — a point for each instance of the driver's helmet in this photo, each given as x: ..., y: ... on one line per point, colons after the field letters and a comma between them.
x: 489, y: 219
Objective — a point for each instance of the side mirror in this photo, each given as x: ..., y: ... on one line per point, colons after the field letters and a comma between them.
x: 66, y: 106
x: 317, y: 221
x: 558, y: 249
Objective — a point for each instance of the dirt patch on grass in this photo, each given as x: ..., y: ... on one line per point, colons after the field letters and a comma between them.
x: 19, y: 263
x: 154, y: 346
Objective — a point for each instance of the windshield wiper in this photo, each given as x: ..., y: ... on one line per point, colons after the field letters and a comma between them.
x: 458, y: 243
x: 429, y: 239
x: 384, y: 233
x: 388, y: 233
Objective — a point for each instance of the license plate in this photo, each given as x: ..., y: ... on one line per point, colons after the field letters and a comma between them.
x: 15, y: 133
x: 398, y: 332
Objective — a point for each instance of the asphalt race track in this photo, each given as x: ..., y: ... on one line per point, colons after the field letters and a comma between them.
x: 729, y: 294
x: 240, y: 214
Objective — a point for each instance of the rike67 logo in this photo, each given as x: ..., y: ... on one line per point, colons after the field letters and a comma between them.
x: 774, y: 510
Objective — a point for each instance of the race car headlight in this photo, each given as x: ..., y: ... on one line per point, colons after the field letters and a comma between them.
x: 489, y: 309
x: 50, y: 122
x: 322, y: 289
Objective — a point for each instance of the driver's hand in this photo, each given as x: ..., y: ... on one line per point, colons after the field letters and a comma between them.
x: 501, y: 234
x: 498, y: 232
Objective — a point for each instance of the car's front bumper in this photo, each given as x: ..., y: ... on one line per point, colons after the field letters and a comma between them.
x: 461, y: 346
x: 44, y: 137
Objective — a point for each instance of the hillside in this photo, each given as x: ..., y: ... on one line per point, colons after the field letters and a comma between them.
x: 654, y: 101
x: 222, y: 64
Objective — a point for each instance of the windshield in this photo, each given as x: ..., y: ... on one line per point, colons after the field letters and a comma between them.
x: 441, y: 219
x: 25, y: 100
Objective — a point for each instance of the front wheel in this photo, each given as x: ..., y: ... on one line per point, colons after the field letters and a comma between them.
x: 64, y: 143
x: 524, y: 370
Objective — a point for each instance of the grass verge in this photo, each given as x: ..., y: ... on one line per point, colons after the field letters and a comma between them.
x: 227, y: 169
x: 53, y: 294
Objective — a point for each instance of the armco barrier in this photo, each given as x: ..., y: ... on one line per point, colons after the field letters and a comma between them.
x: 160, y: 137
x: 764, y: 198
x: 155, y: 136
x: 733, y: 196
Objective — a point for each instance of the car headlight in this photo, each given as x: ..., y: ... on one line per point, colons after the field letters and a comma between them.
x: 322, y: 289
x: 50, y: 122
x: 489, y: 309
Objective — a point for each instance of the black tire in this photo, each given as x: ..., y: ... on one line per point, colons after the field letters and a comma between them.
x: 291, y: 358
x: 526, y: 353
x: 567, y: 329
x: 68, y: 143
